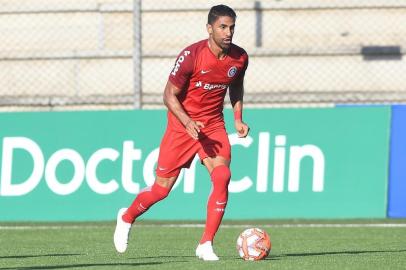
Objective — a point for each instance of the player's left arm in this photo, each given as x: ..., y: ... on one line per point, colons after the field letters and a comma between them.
x: 236, y: 92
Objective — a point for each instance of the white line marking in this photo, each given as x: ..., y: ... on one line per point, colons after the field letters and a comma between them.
x: 225, y: 226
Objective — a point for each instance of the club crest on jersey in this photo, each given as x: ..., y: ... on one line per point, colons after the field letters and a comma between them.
x: 232, y: 71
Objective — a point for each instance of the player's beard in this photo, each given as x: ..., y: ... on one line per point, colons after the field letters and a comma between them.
x: 226, y: 45
x: 222, y: 44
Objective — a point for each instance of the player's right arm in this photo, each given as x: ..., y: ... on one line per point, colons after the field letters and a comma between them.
x: 178, y: 80
x: 171, y: 101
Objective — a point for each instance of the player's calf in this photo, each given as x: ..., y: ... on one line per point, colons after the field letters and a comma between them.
x: 145, y: 199
x: 217, y: 202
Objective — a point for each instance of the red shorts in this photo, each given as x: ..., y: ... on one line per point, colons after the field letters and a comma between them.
x: 178, y: 149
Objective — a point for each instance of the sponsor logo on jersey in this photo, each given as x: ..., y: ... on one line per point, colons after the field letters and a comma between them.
x: 179, y: 62
x: 232, y: 71
x: 209, y: 86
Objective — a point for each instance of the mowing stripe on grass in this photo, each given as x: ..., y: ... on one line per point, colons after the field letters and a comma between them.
x: 226, y: 226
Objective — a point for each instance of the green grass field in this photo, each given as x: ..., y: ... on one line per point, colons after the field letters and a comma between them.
x: 295, y: 245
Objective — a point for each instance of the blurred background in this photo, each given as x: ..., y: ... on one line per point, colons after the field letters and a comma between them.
x: 117, y: 54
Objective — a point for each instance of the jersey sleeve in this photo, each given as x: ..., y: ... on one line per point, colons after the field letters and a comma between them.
x: 182, y: 69
x: 242, y: 73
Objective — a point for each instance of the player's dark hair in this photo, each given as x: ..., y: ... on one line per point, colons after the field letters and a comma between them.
x: 218, y: 11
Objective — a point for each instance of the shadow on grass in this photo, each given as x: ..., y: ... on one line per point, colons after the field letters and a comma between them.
x: 348, y: 252
x: 39, y: 255
x: 107, y: 265
x: 277, y: 257
x: 159, y: 257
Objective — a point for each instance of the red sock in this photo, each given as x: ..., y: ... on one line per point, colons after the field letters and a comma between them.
x: 144, y: 200
x: 220, y: 177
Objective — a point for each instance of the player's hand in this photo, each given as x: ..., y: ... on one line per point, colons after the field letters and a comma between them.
x: 193, y: 128
x: 242, y: 128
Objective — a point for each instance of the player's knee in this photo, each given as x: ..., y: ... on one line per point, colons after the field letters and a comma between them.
x: 221, y: 176
x: 159, y: 191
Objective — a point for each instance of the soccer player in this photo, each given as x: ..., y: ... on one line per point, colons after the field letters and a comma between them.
x: 194, y: 96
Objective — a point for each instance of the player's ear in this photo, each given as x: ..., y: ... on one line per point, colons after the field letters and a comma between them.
x: 209, y: 28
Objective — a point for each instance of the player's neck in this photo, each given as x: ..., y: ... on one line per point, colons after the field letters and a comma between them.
x: 219, y: 52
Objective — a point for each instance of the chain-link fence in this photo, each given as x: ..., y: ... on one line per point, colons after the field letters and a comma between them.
x: 66, y: 54
x: 111, y: 54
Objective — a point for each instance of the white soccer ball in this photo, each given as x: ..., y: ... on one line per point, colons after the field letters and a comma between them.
x: 253, y: 244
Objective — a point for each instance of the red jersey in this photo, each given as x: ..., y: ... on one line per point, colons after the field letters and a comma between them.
x: 204, y: 80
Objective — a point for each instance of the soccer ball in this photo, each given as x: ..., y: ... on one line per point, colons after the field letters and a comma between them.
x: 253, y: 244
